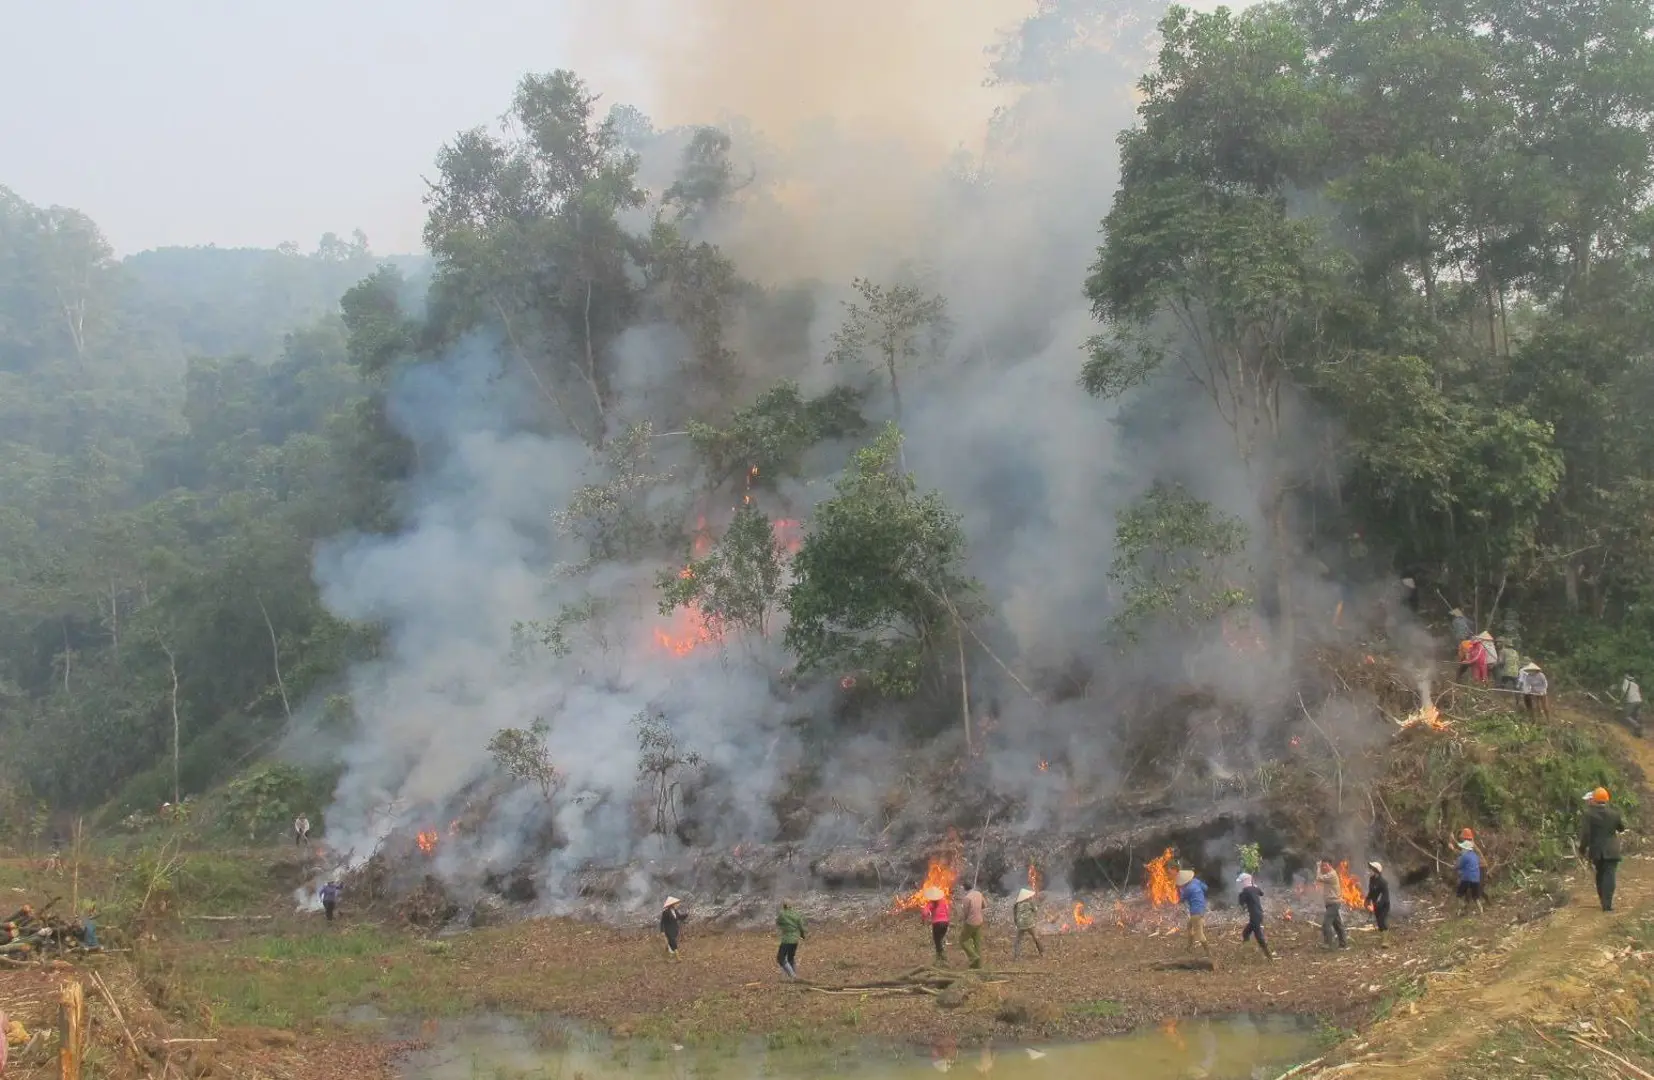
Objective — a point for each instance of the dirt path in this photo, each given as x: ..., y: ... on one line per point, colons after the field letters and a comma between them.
x: 1546, y: 972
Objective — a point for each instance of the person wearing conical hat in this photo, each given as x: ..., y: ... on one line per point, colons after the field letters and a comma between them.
x: 1192, y: 891
x: 937, y: 911
x: 1599, y: 841
x: 1461, y: 625
x: 1024, y: 915
x: 1378, y: 901
x: 671, y: 918
x: 1535, y: 689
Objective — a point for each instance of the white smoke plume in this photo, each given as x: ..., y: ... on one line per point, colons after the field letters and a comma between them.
x: 873, y: 148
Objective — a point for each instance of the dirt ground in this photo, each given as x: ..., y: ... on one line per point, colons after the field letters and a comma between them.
x: 1580, y: 976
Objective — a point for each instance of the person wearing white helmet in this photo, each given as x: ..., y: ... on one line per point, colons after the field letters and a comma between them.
x: 1251, y: 898
x: 1024, y: 915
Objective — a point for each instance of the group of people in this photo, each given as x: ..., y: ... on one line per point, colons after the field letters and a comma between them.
x: 1486, y: 662
x: 1192, y: 892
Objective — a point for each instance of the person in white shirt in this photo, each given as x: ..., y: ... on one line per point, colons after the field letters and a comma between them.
x: 1535, y: 690
x: 1631, y: 694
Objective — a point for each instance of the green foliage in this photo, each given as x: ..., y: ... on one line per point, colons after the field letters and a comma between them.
x: 1251, y: 857
x: 768, y: 439
x: 587, y: 615
x: 1518, y: 779
x: 268, y: 798
x: 522, y: 754
x: 897, y: 324
x: 622, y: 515
x: 878, y: 579
x: 739, y: 585
x: 1174, y: 556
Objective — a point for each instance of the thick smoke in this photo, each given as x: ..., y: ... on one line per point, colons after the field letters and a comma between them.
x: 874, y: 149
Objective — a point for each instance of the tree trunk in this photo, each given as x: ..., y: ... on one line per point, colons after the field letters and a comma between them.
x: 275, y: 659
x: 896, y: 402
x: 172, y: 669
x: 964, y: 681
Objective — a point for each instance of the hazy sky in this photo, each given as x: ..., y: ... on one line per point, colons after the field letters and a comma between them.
x: 188, y: 122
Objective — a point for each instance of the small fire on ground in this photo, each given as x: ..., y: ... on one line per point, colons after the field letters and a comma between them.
x: 1426, y: 715
x: 427, y: 839
x: 1353, y: 894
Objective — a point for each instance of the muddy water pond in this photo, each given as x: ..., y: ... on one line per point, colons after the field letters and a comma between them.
x: 1230, y: 1048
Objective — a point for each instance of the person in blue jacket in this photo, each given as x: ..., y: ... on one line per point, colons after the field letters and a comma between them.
x: 1192, y: 891
x: 1470, y: 877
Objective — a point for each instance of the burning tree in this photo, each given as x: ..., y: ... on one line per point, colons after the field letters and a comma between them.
x: 523, y: 755
x: 739, y: 585
x: 660, y: 763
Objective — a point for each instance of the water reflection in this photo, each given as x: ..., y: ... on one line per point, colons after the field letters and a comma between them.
x: 1236, y: 1048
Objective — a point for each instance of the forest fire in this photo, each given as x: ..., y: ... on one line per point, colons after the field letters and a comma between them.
x: 1081, y: 919
x: 940, y: 875
x: 789, y: 533
x: 1033, y: 878
x: 688, y: 629
x: 1353, y: 894
x: 427, y: 840
x: 1159, y: 882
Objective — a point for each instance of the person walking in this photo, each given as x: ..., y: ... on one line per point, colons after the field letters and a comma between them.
x: 1024, y: 914
x: 1631, y: 696
x: 937, y: 911
x: 1251, y: 898
x: 1332, y: 903
x: 1378, y: 902
x: 790, y: 923
x: 1510, y: 666
x: 330, y: 899
x: 1535, y: 690
x: 970, y: 939
x: 1192, y: 891
x: 301, y: 830
x: 671, y: 922
x: 1599, y: 841
x: 1469, y: 868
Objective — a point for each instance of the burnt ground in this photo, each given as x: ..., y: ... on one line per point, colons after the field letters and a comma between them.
x: 1097, y: 981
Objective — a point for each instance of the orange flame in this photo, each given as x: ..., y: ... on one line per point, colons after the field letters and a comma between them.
x: 1033, y: 878
x: 427, y: 841
x: 1081, y: 919
x: 790, y: 534
x: 1159, y: 882
x: 1044, y: 766
x: 940, y: 875
x: 1353, y: 894
x: 1119, y: 914
x: 1287, y: 915
x: 1428, y: 716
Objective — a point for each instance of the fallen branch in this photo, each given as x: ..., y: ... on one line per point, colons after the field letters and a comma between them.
x: 231, y: 918
x: 109, y: 999
x: 1646, y: 1075
x: 1297, y: 1069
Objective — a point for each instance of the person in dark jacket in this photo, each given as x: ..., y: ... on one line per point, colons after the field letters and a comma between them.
x: 1378, y: 902
x: 1251, y: 898
x: 330, y: 899
x: 671, y: 919
x: 1599, y: 841
x: 791, y: 925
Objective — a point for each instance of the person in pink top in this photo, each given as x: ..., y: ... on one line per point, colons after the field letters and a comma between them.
x: 937, y: 910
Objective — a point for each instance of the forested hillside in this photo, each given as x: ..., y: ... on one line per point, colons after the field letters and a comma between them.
x: 179, y: 428
x: 1375, y: 298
